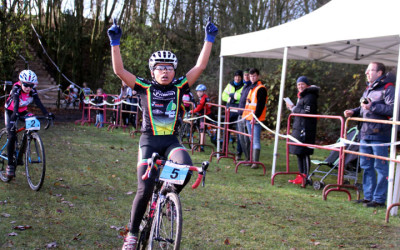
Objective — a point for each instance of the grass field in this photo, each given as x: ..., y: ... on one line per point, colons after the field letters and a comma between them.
x: 91, y: 182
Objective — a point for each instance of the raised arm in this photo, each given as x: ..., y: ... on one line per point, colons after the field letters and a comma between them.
x: 211, y: 31
x: 115, y: 33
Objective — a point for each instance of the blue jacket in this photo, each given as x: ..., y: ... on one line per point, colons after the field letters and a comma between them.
x: 381, y: 93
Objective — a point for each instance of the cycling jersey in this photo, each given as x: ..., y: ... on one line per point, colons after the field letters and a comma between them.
x: 202, y: 105
x: 160, y: 104
x: 18, y: 100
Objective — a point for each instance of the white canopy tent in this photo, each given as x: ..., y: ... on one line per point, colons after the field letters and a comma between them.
x: 342, y: 31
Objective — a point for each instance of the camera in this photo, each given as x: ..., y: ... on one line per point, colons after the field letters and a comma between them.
x: 365, y: 100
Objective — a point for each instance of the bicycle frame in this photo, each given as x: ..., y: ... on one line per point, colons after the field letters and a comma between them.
x: 163, y: 189
x: 18, y: 146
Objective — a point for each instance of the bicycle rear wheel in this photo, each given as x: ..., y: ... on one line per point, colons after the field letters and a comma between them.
x: 184, y: 134
x: 144, y: 230
x: 35, y: 162
x: 166, y: 230
x: 3, y: 152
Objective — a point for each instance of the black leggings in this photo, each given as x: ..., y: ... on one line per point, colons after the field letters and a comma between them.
x: 167, y: 146
x: 12, y: 136
x: 303, y: 161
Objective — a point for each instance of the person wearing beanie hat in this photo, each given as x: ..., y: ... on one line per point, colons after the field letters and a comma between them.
x: 303, y: 79
x: 231, y: 95
x: 304, y: 129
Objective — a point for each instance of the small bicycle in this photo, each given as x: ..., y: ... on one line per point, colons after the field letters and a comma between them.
x: 161, y: 227
x: 189, y: 133
x: 30, y: 145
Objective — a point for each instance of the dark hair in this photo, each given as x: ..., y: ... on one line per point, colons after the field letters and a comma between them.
x: 254, y: 71
x: 380, y: 67
x: 246, y: 70
x: 239, y: 73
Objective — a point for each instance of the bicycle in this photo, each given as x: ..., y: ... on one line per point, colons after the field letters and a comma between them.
x: 29, y: 144
x: 189, y: 133
x: 161, y: 227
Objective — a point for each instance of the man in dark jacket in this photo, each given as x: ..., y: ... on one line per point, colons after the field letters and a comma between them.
x: 244, y: 140
x: 377, y: 102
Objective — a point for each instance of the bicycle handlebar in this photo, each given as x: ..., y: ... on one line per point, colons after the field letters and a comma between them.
x: 155, y: 158
x: 49, y: 120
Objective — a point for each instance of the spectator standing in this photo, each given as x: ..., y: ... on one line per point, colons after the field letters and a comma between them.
x: 231, y: 95
x: 135, y: 100
x: 99, y: 99
x: 304, y: 128
x: 125, y: 95
x: 256, y: 102
x: 241, y: 125
x: 202, y: 109
x: 84, y: 96
x: 377, y: 102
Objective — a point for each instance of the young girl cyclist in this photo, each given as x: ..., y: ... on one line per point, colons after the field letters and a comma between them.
x: 22, y: 94
x: 161, y: 99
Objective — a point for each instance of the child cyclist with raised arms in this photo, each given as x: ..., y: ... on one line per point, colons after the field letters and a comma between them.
x: 22, y: 94
x: 161, y: 99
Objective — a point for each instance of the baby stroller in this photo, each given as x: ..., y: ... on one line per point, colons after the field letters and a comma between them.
x: 351, y: 163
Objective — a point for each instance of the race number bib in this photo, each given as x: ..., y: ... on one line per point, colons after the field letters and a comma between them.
x: 173, y: 175
x: 32, y: 124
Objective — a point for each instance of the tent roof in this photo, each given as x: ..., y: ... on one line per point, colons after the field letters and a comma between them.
x: 343, y: 31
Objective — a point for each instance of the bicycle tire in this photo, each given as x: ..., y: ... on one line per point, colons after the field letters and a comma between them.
x: 184, y: 131
x: 167, y: 223
x: 3, y: 162
x: 35, y: 162
x: 195, y: 137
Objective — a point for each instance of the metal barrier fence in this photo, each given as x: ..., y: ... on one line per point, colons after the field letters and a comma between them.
x: 340, y: 150
x: 375, y: 156
x: 101, y: 107
x: 120, y: 119
x: 251, y: 135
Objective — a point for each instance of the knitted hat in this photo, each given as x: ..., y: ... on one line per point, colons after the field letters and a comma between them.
x: 239, y: 73
x: 303, y: 79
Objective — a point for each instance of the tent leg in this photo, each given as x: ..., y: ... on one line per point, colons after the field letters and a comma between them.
x: 394, y: 138
x: 278, y: 118
x: 221, y: 79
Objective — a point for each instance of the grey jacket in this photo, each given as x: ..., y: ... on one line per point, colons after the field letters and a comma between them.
x: 381, y: 93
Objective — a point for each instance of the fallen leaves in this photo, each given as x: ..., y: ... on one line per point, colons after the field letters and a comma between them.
x: 117, y: 228
x: 8, y: 244
x: 70, y: 204
x: 22, y: 228
x: 76, y: 236
x: 51, y: 245
x: 5, y: 215
x: 58, y: 184
x: 227, y: 242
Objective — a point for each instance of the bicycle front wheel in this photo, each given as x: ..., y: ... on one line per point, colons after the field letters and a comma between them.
x: 166, y: 230
x: 35, y: 162
x: 3, y: 152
